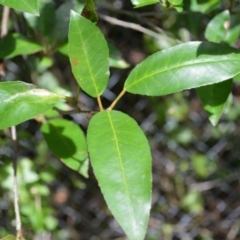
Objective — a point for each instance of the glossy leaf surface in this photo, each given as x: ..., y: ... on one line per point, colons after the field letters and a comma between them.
x: 121, y: 159
x: 88, y: 54
x: 216, y: 30
x: 29, y: 6
x: 20, y: 101
x: 184, y: 66
x: 141, y: 3
x: 67, y: 141
x: 214, y: 98
x: 15, y: 44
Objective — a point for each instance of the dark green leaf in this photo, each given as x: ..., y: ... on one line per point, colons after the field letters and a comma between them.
x: 88, y: 54
x: 184, y: 66
x: 20, y: 101
x: 141, y: 3
x: 216, y: 30
x: 29, y: 6
x: 214, y: 98
x: 89, y: 11
x: 67, y: 141
x: 15, y: 44
x: 121, y: 160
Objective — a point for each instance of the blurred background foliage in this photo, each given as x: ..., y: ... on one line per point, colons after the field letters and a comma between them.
x: 196, y: 188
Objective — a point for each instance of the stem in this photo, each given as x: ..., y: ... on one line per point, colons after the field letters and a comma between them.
x: 117, y: 99
x: 100, y: 103
x: 15, y: 186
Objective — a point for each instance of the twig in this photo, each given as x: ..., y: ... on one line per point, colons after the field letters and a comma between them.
x: 117, y: 99
x: 74, y: 111
x: 4, y: 31
x: 133, y: 26
x: 100, y: 103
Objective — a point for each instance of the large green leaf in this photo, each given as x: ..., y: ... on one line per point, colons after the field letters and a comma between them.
x: 216, y: 30
x: 29, y: 6
x: 121, y: 161
x: 15, y: 44
x: 214, y: 98
x: 20, y: 101
x: 141, y: 3
x: 88, y: 54
x: 67, y: 141
x: 184, y: 66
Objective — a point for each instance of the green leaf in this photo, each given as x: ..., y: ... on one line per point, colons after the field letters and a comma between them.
x: 121, y: 160
x: 142, y: 3
x: 67, y: 141
x: 233, y: 32
x: 89, y: 11
x: 15, y: 44
x: 88, y: 54
x: 204, y: 6
x: 214, y: 98
x: 29, y: 6
x: 20, y: 101
x: 216, y: 30
x: 175, y: 2
x: 184, y: 66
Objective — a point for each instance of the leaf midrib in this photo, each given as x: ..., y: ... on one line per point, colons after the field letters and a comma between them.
x: 123, y: 173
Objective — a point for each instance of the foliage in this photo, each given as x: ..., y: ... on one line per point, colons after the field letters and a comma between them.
x: 118, y: 150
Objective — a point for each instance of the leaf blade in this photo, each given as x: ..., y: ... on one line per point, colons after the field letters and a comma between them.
x: 122, y: 165
x: 89, y: 60
x: 20, y: 102
x: 214, y: 98
x: 29, y: 6
x: 67, y: 141
x: 184, y: 66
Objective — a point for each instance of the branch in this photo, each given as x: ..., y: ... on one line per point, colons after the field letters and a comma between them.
x: 133, y: 26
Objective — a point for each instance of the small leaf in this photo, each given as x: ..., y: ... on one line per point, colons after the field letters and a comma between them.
x: 142, y: 3
x: 88, y: 54
x: 214, y: 98
x: 204, y: 6
x: 15, y: 44
x: 216, y: 30
x: 89, y: 11
x: 185, y: 66
x: 234, y: 29
x: 67, y: 141
x: 29, y: 6
x: 121, y: 160
x: 20, y: 101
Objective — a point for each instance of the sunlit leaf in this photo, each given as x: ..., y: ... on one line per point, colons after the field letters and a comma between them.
x: 20, y: 101
x: 184, y: 66
x: 29, y: 6
x: 67, y: 141
x: 216, y: 30
x: 214, y: 98
x: 88, y: 54
x: 141, y: 3
x: 15, y: 44
x: 121, y: 160
x: 233, y: 32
